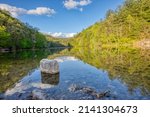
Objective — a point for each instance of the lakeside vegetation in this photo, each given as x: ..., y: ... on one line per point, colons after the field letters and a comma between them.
x: 16, y: 35
x: 126, y: 25
x: 59, y: 42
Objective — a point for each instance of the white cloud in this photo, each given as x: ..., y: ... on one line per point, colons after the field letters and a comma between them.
x: 15, y: 12
x: 70, y: 4
x: 41, y: 11
x: 61, y: 35
x: 74, y: 4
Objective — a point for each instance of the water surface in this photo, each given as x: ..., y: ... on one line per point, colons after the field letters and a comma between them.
x: 122, y: 73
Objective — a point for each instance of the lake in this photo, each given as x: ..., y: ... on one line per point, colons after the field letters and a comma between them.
x: 85, y: 74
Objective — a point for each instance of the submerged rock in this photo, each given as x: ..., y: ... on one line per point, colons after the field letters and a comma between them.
x: 38, y: 95
x: 102, y: 94
x: 73, y: 88
x: 88, y: 90
x: 49, y: 66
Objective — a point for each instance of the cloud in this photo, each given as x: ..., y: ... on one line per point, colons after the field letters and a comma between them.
x: 74, y: 4
x: 15, y: 12
x: 61, y: 35
x: 41, y: 11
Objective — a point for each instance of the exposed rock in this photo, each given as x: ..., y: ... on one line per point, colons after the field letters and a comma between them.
x: 49, y: 66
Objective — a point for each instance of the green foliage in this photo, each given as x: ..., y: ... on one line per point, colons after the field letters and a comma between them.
x: 17, y: 35
x: 129, y: 23
x: 40, y: 41
x: 4, y: 37
x: 25, y: 43
x: 58, y: 42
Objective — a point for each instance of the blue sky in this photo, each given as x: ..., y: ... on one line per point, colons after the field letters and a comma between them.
x: 63, y: 16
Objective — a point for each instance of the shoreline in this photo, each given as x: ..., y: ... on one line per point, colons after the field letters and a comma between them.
x: 7, y: 50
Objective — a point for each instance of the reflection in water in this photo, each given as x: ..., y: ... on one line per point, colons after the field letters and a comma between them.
x: 129, y: 65
x: 125, y: 72
x: 52, y: 79
x: 14, y: 66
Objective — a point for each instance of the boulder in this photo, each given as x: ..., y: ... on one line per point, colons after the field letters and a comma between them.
x: 49, y: 66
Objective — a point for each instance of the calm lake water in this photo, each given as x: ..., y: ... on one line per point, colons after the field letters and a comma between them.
x: 114, y: 73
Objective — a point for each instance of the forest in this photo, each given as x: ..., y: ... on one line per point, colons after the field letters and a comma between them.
x: 108, y: 60
x: 126, y: 25
x: 15, y: 35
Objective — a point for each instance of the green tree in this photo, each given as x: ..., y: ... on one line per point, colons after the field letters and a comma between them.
x: 4, y: 37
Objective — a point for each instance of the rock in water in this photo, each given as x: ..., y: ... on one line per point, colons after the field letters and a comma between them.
x: 49, y: 66
x: 38, y: 95
x: 73, y: 88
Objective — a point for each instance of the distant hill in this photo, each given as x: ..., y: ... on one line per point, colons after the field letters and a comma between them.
x: 62, y: 41
x: 126, y: 25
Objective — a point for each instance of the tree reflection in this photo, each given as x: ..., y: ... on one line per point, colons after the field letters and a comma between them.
x: 14, y: 66
x: 130, y: 65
